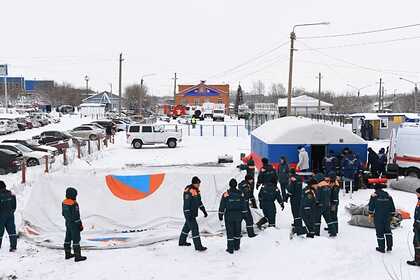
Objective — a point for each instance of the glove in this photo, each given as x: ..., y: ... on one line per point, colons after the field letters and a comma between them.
x: 81, y: 227
x: 282, y: 206
x: 254, y: 204
x: 370, y: 218
x: 205, y: 213
x: 257, y: 186
x: 220, y: 217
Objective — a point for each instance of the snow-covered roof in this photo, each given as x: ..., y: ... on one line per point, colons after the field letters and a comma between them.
x: 303, y: 101
x: 299, y: 130
x: 377, y: 116
x: 92, y: 105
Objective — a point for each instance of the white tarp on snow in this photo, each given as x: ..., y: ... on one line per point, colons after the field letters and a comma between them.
x: 292, y: 130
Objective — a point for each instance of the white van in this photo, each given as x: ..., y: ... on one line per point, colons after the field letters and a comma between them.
x: 404, y: 150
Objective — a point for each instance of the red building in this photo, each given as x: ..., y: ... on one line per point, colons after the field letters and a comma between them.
x: 195, y: 95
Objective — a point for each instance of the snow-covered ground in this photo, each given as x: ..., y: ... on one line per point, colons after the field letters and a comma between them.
x: 351, y: 255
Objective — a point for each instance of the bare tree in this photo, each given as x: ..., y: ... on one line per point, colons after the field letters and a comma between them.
x: 277, y: 91
x: 136, y: 97
x: 258, y: 87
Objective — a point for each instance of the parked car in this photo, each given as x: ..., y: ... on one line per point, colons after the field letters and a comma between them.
x: 4, y: 129
x: 41, y: 118
x: 22, y: 123
x: 35, y: 122
x: 97, y: 125
x: 87, y: 132
x: 106, y: 123
x: 9, y: 161
x: 56, y: 139
x: 146, y: 134
x: 11, y: 125
x: 33, y: 145
x: 31, y: 157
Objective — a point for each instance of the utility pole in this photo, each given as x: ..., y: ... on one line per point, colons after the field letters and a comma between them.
x: 379, y: 95
x: 140, y: 95
x: 119, y: 85
x: 175, y: 78
x: 87, y: 86
x: 382, y: 98
x: 289, y: 87
x: 415, y: 97
x: 319, y: 93
x: 110, y: 86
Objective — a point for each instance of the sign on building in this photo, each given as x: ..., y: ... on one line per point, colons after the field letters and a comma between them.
x: 3, y: 69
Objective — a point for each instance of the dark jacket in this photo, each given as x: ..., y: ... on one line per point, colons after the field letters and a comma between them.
x: 381, y: 206
x: 267, y: 195
x: 232, y: 205
x: 308, y: 199
x: 323, y: 196
x: 246, y: 190
x: 283, y: 173
x: 350, y: 167
x: 294, y: 188
x: 70, y: 212
x: 192, y: 202
x: 373, y: 161
x: 267, y: 175
x: 417, y: 217
x: 329, y: 163
x: 7, y: 203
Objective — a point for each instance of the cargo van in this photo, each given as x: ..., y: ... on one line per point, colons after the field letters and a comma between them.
x: 404, y: 151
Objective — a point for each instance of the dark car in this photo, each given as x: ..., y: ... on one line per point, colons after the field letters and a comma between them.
x: 9, y: 161
x: 106, y: 124
x: 56, y: 139
x: 33, y: 145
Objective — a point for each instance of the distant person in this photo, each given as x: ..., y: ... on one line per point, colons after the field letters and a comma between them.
x: 303, y: 164
x: 373, y: 163
x: 250, y: 170
x: 416, y: 230
x: 7, y: 216
x: 192, y: 202
x: 71, y: 214
x: 329, y: 163
x: 382, y: 160
x: 348, y: 170
x: 246, y: 187
x: 369, y: 130
x: 381, y: 211
x: 193, y: 122
x: 232, y: 208
x: 283, y: 176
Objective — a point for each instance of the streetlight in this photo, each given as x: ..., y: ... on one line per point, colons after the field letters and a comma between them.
x: 292, y: 41
x: 415, y: 92
x: 87, y: 85
x: 141, y: 89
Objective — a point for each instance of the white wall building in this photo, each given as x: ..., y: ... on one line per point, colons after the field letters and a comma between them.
x: 304, y: 105
x: 93, y: 110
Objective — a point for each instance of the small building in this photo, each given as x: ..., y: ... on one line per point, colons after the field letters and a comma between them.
x: 381, y: 124
x: 266, y: 109
x: 93, y: 110
x: 197, y: 95
x: 283, y: 136
x: 109, y: 99
x: 304, y: 105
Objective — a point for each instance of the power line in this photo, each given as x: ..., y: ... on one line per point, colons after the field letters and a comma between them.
x: 361, y: 32
x: 249, y: 61
x: 363, y: 44
x: 277, y: 60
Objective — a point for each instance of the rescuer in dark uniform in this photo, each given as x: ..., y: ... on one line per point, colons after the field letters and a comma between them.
x: 7, y: 216
x: 268, y: 194
x: 232, y: 206
x: 192, y: 202
x: 246, y: 188
x: 283, y: 176
x: 70, y: 211
x: 294, y: 191
x: 322, y: 207
x: 382, y: 210
x: 307, y: 207
x: 335, y: 199
x: 267, y: 174
x: 416, y: 229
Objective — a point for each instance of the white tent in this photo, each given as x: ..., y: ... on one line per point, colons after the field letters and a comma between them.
x: 305, y: 105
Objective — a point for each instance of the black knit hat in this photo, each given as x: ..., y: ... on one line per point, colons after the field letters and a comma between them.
x: 2, y: 185
x: 71, y: 193
x: 248, y: 177
x: 233, y: 183
x: 418, y: 190
x: 264, y: 161
x: 195, y: 180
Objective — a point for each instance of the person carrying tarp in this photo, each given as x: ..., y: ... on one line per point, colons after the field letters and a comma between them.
x: 71, y: 214
x: 232, y: 207
x: 322, y: 207
x: 294, y: 191
x: 192, y: 202
x: 307, y: 205
x: 7, y: 216
x: 268, y: 194
x: 416, y: 230
x: 283, y: 176
x: 381, y: 211
x: 246, y: 188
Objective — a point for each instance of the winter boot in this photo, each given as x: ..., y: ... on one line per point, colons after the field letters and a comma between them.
x: 77, y: 254
x: 250, y: 231
x: 262, y: 221
x: 230, y: 251
x: 67, y: 252
x: 416, y: 257
x: 237, y: 244
x: 185, y: 244
x: 183, y: 239
x: 13, y: 242
x: 389, y: 241
x: 310, y: 235
x: 381, y: 245
x: 197, y: 244
x: 381, y: 250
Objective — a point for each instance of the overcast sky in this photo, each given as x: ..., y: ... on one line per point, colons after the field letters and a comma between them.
x: 203, y: 39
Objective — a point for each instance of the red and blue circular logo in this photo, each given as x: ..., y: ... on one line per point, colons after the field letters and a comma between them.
x: 134, y: 187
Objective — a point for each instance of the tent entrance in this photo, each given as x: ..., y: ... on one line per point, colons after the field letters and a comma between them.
x: 318, y: 153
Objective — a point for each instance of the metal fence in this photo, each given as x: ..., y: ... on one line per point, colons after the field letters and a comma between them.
x: 220, y: 130
x: 257, y: 120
